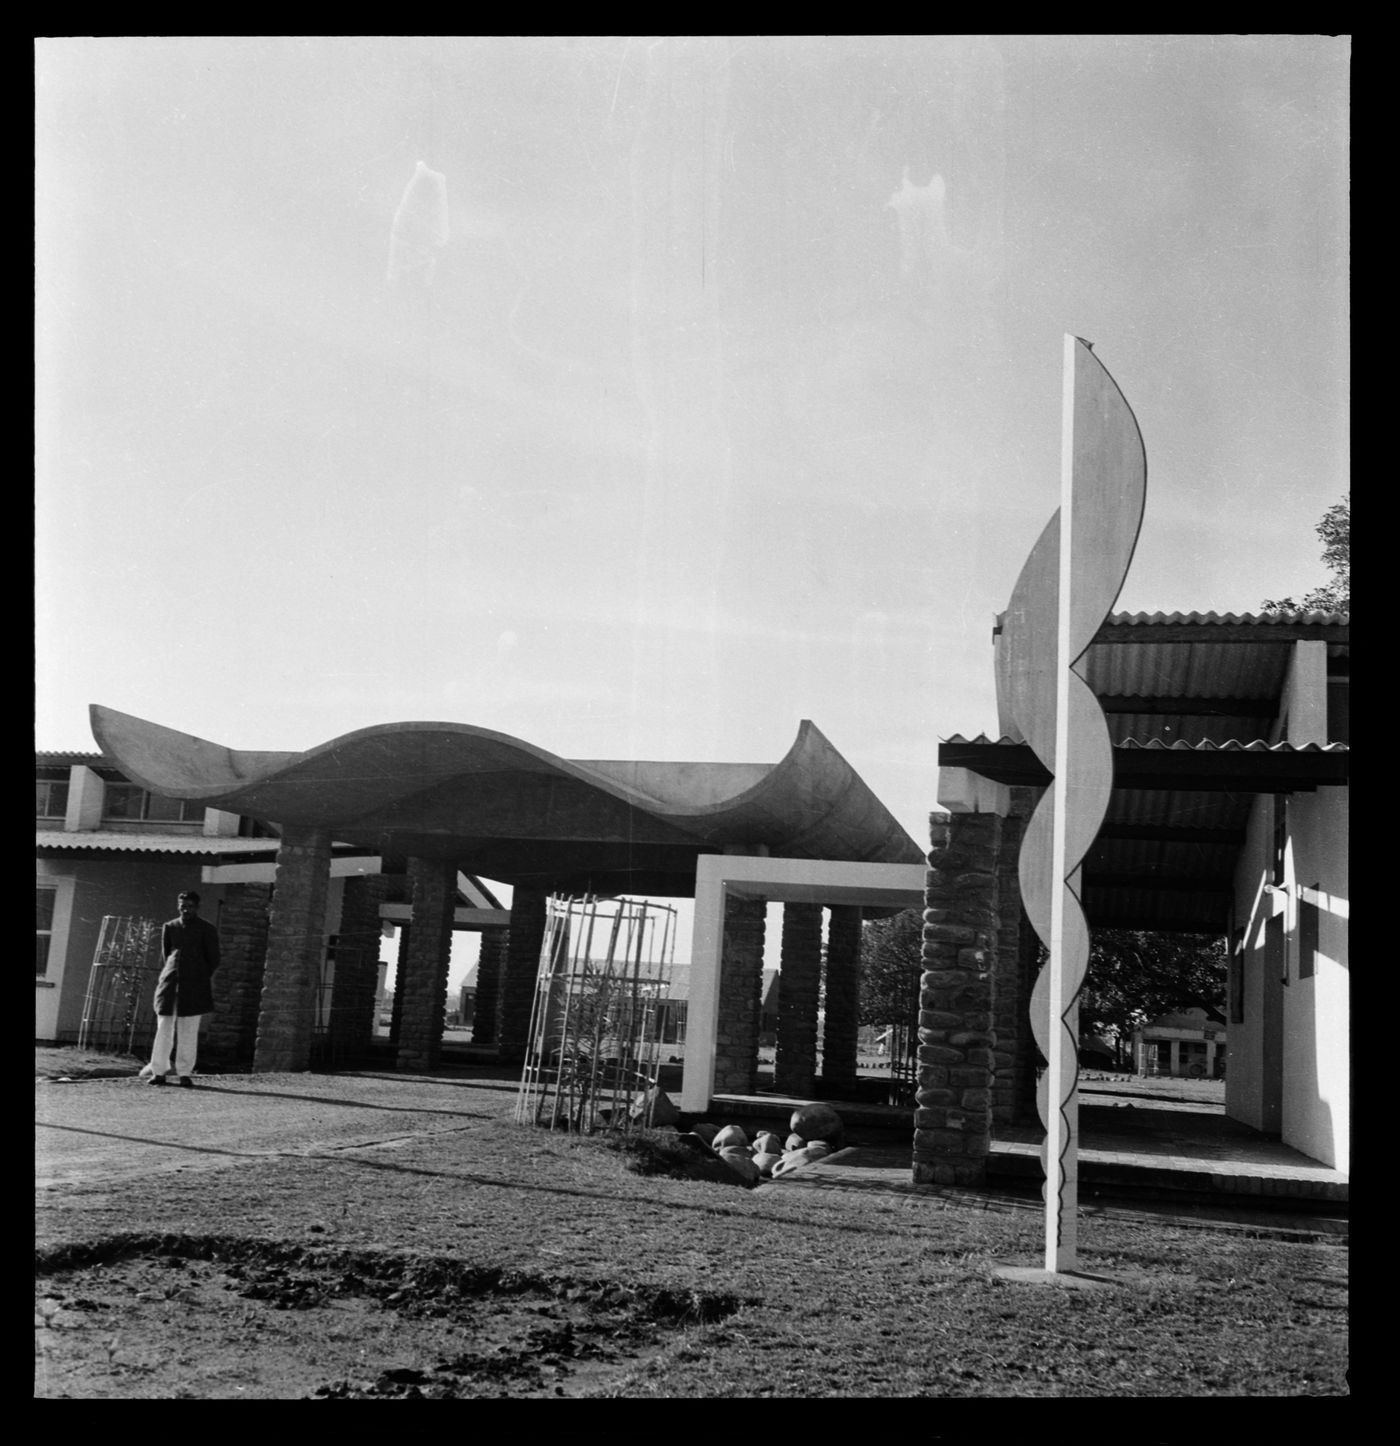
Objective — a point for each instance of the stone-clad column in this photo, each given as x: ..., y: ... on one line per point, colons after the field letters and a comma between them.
x: 740, y: 996
x: 228, y: 1035
x: 295, y: 945
x: 1018, y: 962
x: 527, y: 920
x: 1010, y: 1005
x: 356, y: 967
x: 842, y: 1025
x: 423, y: 984
x: 796, y: 1068
x: 952, y: 1120
x: 400, y: 974
x: 495, y: 946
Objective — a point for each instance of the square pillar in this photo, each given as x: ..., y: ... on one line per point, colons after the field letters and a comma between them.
x: 841, y: 1029
x: 1017, y: 963
x: 422, y: 985
x: 740, y: 995
x: 952, y: 1119
x: 295, y: 944
x: 400, y: 973
x: 527, y: 920
x: 490, y: 969
x: 796, y: 1069
x: 356, y: 967
x: 229, y: 1035
x: 86, y: 793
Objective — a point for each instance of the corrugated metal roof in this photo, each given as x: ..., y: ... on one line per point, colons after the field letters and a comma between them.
x: 1261, y: 620
x: 1257, y: 745
x: 1204, y: 728
x: 1187, y: 686
x: 1196, y: 808
x: 1188, y: 669
x: 111, y: 841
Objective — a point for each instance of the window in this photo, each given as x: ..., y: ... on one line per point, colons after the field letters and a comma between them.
x: 51, y: 796
x: 44, y: 900
x: 129, y: 803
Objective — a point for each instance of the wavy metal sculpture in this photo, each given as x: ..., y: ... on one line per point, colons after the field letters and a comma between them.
x: 1065, y: 591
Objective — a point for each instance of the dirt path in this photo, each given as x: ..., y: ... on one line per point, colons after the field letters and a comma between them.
x: 115, y: 1129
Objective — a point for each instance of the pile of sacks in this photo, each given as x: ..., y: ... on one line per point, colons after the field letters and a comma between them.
x: 816, y: 1131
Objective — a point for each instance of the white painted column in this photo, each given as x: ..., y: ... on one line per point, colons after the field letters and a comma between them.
x: 86, y: 792
x: 702, y: 1017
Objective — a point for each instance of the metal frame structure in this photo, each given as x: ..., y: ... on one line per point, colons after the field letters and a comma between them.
x: 596, y: 1024
x: 125, y: 966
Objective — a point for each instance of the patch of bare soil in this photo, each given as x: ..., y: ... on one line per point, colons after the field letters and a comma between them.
x: 210, y: 1317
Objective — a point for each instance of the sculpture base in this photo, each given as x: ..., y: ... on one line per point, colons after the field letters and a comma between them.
x: 1035, y: 1275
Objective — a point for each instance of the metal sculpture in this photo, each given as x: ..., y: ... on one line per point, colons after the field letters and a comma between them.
x: 1066, y: 589
x: 599, y: 1011
x: 117, y: 1009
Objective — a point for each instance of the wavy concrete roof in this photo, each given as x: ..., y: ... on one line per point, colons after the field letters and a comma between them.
x: 501, y: 807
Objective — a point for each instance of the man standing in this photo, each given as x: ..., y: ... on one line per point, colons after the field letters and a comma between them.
x: 190, y: 948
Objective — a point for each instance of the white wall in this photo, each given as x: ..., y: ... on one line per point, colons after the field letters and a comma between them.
x: 89, y: 889
x: 1245, y: 1087
x: 1289, y: 1071
x: 1316, y: 1082
x: 48, y: 991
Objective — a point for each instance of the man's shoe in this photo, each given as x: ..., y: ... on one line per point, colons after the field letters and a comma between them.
x: 186, y: 1083
x: 156, y: 1079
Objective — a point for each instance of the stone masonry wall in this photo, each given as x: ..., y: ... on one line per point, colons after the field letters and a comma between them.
x: 840, y: 1033
x: 527, y: 921
x: 1010, y: 1016
x: 228, y: 1035
x: 952, y: 1118
x: 356, y: 968
x: 1018, y: 962
x: 740, y: 995
x: 295, y: 945
x: 795, y: 1070
x: 495, y: 948
x: 405, y: 932
x: 1026, y: 1056
x: 423, y: 986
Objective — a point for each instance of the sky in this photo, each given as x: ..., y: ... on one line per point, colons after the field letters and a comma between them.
x: 640, y: 397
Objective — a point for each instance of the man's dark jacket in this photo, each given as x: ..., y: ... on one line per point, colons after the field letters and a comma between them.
x: 191, y: 953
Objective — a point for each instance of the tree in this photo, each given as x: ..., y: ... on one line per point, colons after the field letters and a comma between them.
x: 1134, y: 976
x: 1335, y: 596
x: 890, y: 965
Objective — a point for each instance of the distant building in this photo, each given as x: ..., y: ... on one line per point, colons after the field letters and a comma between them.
x: 1186, y: 1045
x: 104, y: 846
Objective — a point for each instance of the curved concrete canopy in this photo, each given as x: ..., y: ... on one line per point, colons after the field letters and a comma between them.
x: 508, y: 810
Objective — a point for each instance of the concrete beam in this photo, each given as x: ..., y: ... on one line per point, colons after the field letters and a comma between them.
x: 803, y: 881
x: 461, y: 918
x: 346, y: 867
x: 960, y: 790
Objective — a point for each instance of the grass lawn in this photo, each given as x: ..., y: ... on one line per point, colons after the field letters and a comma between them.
x: 806, y: 1293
